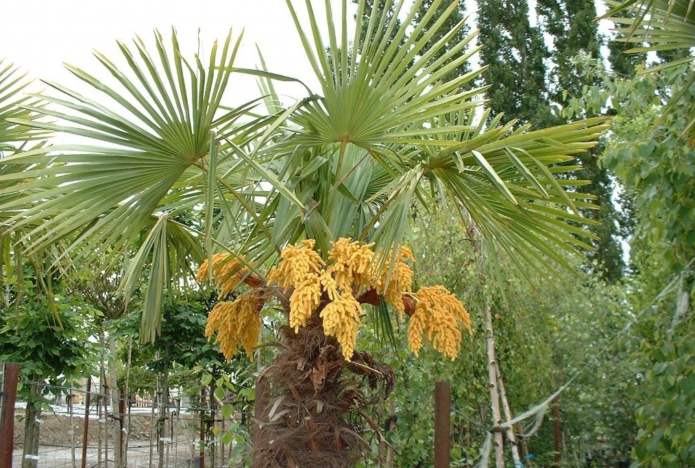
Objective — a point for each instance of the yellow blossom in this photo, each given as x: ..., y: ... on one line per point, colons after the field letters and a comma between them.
x: 351, y: 263
x: 225, y: 270
x: 304, y: 301
x: 296, y: 264
x: 237, y: 324
x: 341, y: 318
x: 441, y: 318
x: 400, y: 281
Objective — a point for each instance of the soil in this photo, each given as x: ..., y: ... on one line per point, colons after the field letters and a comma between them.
x: 55, y: 429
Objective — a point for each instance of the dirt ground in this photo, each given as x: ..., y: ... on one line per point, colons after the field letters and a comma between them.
x: 57, y: 436
x: 55, y: 428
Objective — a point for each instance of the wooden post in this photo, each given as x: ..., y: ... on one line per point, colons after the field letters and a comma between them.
x: 85, y: 431
x: 494, y: 395
x: 442, y: 426
x: 9, y: 395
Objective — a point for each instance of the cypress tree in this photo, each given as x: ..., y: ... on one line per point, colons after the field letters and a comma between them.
x: 515, y: 54
x: 571, y: 25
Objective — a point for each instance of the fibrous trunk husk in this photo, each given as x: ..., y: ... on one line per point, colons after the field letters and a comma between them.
x: 313, y: 390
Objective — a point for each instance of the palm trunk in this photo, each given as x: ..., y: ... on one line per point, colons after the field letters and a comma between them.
x: 303, y: 423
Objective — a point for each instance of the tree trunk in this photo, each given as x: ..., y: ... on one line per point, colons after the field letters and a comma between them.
x: 30, y: 454
x: 115, y: 406
x: 508, y: 417
x: 494, y: 395
x: 162, y: 426
x: 304, y: 422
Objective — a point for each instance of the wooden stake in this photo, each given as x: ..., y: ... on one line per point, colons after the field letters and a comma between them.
x: 494, y: 396
x: 442, y: 426
x: 9, y: 394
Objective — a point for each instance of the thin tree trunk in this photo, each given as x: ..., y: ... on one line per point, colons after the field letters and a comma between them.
x: 100, y: 413
x: 127, y: 396
x: 202, y: 427
x: 71, y: 399
x: 85, y: 433
x: 152, y: 426
x: 557, y: 432
x: 162, y: 425
x: 508, y: 417
x: 30, y: 454
x: 494, y: 395
x: 115, y: 407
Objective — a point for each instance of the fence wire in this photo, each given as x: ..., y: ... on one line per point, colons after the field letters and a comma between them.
x: 182, y: 433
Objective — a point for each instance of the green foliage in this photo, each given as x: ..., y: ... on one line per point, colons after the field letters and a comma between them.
x: 48, y: 342
x: 182, y: 346
x: 667, y: 420
x: 529, y: 79
x: 655, y: 166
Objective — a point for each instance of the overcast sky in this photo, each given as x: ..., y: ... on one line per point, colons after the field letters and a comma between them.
x: 39, y: 35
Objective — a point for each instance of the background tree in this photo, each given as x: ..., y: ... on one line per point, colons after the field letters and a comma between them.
x: 515, y: 54
x: 50, y: 344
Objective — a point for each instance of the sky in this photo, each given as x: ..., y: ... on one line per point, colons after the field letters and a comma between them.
x: 39, y: 35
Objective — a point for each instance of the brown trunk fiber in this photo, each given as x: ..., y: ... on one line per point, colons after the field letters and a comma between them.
x: 304, y: 421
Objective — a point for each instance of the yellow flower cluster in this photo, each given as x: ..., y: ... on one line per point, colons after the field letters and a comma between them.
x: 400, y: 281
x: 297, y: 264
x: 300, y: 268
x: 341, y: 318
x: 237, y: 324
x: 353, y: 269
x: 441, y: 317
x: 225, y: 270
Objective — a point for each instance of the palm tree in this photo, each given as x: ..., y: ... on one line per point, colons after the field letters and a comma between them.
x: 660, y: 26
x: 384, y: 135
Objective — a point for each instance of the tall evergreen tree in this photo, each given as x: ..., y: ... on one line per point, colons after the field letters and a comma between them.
x: 570, y: 25
x: 515, y: 54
